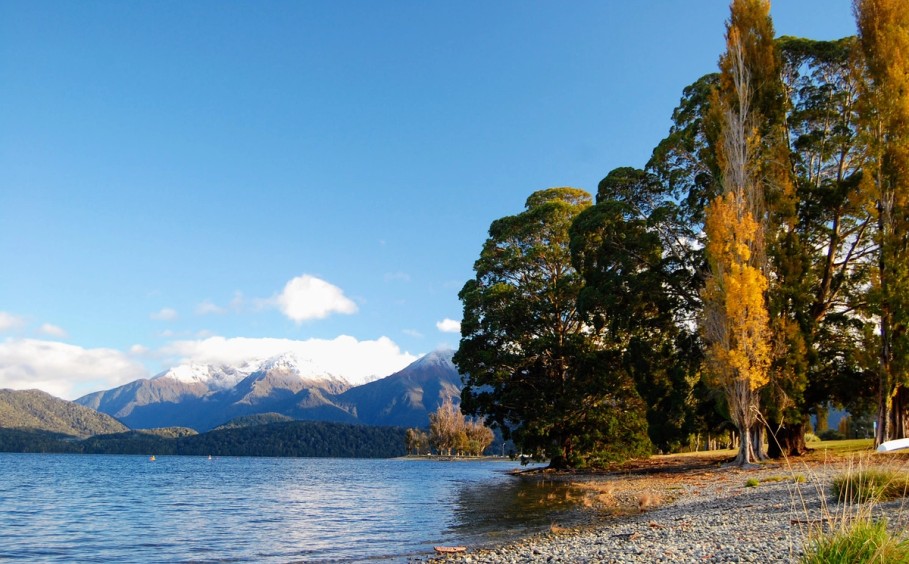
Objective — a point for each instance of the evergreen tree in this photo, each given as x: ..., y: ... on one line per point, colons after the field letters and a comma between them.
x: 827, y: 300
x: 884, y: 41
x: 634, y: 251
x: 532, y: 366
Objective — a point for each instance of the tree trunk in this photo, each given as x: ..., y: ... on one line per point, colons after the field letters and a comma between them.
x: 899, y: 418
x: 757, y: 442
x: 786, y: 440
x: 747, y: 454
x: 883, y: 401
x: 821, y: 412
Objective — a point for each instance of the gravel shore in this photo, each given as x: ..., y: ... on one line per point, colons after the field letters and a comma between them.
x: 703, y: 515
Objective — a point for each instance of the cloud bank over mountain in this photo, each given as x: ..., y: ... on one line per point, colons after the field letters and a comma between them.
x: 63, y: 370
x: 69, y: 371
x: 47, y: 357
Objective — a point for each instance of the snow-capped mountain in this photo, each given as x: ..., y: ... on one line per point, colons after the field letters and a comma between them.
x: 213, y: 377
x: 204, y: 396
x: 223, y: 377
x: 407, y: 397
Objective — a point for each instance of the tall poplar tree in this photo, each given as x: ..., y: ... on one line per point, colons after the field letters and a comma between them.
x: 884, y: 41
x: 735, y: 318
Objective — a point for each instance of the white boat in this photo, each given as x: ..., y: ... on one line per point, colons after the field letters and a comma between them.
x: 890, y: 446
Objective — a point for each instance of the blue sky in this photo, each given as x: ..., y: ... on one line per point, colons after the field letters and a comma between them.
x: 202, y: 181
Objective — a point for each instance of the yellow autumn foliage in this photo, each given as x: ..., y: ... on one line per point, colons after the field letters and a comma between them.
x: 740, y: 339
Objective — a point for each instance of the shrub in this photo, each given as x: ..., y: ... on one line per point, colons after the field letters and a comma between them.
x: 832, y: 435
x: 752, y: 483
x: 863, y: 541
x: 873, y: 484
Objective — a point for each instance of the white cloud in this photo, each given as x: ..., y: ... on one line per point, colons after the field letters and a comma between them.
x: 413, y: 333
x: 449, y: 326
x: 238, y: 302
x: 53, y: 330
x: 8, y: 321
x: 357, y: 361
x: 209, y: 308
x: 63, y: 370
x: 165, y: 314
x: 307, y: 297
x: 138, y: 350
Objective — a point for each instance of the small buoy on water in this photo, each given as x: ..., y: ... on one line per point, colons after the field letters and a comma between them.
x: 151, y: 458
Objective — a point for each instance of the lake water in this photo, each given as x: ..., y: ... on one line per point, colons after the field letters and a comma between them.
x: 99, y: 508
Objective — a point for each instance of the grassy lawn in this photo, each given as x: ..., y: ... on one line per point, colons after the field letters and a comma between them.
x: 850, y: 446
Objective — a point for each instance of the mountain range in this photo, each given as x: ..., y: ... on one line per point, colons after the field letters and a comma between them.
x: 202, y: 397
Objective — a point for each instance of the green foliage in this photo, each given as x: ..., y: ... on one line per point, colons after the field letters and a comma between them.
x: 38, y: 411
x: 253, y: 420
x: 299, y: 438
x: 872, y: 484
x: 863, y: 541
x: 292, y: 439
x: 752, y: 483
x: 685, y: 162
x: 25, y: 440
x: 532, y: 367
x: 637, y: 286
x: 831, y: 435
x: 169, y: 432
x: 830, y: 269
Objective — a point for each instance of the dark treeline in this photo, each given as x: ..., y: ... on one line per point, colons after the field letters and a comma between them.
x: 286, y: 439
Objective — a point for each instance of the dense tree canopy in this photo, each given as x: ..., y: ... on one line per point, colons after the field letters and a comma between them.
x: 883, y: 27
x: 773, y: 216
x: 290, y: 438
x: 534, y: 368
x: 639, y: 292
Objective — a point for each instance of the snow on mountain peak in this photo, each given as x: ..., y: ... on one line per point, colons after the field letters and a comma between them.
x: 305, y: 368
x: 289, y: 362
x: 221, y: 377
x: 215, y: 377
x: 439, y: 357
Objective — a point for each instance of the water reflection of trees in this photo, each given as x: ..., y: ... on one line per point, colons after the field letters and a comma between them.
x: 505, y: 508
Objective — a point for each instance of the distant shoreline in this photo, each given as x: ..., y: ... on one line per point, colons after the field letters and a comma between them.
x: 439, y: 458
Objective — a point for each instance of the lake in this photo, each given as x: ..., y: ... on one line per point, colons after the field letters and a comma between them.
x: 102, y: 508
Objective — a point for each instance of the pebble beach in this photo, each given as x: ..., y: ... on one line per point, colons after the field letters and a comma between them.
x: 700, y: 515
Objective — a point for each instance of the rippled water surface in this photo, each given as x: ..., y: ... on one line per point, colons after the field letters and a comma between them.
x: 80, y: 508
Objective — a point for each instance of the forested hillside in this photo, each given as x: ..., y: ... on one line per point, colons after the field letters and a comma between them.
x: 289, y: 438
x: 34, y: 409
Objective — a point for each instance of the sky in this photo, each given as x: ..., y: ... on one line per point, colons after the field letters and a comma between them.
x: 211, y: 181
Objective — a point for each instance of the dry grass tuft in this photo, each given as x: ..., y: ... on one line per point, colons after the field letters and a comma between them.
x: 647, y: 500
